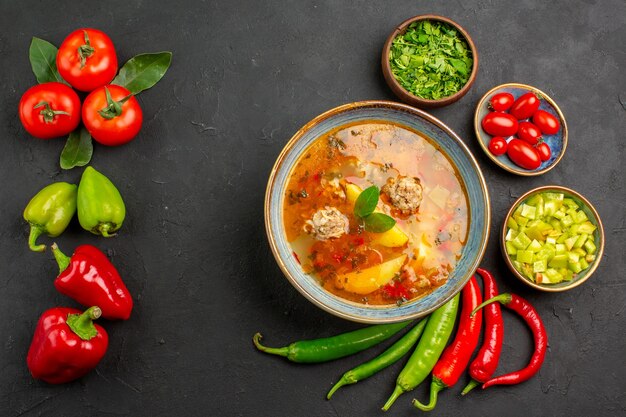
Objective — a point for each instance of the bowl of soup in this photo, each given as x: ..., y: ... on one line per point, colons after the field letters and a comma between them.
x: 420, y: 182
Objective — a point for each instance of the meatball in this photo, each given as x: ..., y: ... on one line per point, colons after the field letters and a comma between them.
x: 327, y: 223
x: 405, y: 193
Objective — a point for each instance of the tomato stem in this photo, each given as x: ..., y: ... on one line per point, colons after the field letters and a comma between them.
x: 85, y: 50
x: 48, y: 113
x: 113, y: 108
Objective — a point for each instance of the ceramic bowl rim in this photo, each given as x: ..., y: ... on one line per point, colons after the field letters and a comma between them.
x: 346, y: 108
x: 592, y: 268
x: 520, y: 171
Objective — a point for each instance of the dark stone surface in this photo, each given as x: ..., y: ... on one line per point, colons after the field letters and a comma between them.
x: 245, y: 76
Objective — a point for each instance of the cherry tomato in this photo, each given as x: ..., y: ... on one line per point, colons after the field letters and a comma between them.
x: 525, y: 106
x: 87, y: 59
x: 114, y: 118
x: 546, y: 122
x: 528, y: 132
x: 500, y: 124
x: 501, y: 102
x: 544, y: 151
x: 522, y: 154
x: 497, y: 145
x: 50, y: 110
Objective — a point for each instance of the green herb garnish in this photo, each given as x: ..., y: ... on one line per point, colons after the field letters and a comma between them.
x: 431, y: 60
x: 364, y: 211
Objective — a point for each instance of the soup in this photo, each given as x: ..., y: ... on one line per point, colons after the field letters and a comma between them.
x: 419, y: 188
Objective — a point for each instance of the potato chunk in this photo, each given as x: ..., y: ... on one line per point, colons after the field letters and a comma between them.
x: 369, y: 280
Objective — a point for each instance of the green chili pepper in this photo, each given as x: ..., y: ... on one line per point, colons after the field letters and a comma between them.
x: 49, y: 212
x: 328, y: 349
x: 101, y: 209
x: 390, y: 356
x: 430, y: 347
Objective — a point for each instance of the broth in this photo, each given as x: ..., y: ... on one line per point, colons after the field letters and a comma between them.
x: 403, y: 264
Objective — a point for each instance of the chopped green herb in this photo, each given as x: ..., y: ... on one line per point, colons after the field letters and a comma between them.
x: 431, y: 59
x: 336, y: 143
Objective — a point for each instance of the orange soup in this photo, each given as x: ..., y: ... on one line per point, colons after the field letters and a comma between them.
x: 419, y: 189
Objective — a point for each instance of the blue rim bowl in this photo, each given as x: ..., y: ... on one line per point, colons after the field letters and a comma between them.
x: 458, y: 153
x: 556, y: 142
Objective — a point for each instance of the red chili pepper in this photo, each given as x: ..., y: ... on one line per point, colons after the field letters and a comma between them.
x: 457, y: 355
x: 337, y: 256
x: 66, y: 345
x: 396, y: 291
x: 531, y: 317
x: 486, y: 361
x: 90, y: 278
x: 295, y: 255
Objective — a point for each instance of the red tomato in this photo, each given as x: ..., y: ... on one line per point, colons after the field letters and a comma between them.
x: 544, y: 151
x: 112, y: 120
x: 500, y: 124
x: 497, y: 146
x: 525, y: 106
x: 501, y: 102
x: 49, y: 110
x: 546, y: 122
x: 87, y: 59
x: 528, y: 132
x: 522, y: 154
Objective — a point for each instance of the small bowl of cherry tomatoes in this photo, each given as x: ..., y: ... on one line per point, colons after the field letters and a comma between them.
x: 521, y: 129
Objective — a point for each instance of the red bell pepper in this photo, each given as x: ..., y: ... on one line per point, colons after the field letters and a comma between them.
x: 66, y: 345
x: 90, y: 278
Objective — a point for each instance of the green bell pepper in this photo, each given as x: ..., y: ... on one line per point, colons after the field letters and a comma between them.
x: 101, y: 209
x: 49, y: 212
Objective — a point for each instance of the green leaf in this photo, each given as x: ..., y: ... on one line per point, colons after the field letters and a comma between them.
x: 143, y: 71
x: 78, y: 149
x: 366, y: 202
x: 459, y: 65
x: 378, y: 222
x: 43, y: 60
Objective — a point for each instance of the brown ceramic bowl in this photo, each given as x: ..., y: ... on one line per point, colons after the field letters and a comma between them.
x: 594, y: 218
x: 410, y: 98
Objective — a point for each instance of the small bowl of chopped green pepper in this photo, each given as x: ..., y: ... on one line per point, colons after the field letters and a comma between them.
x: 552, y: 238
x: 429, y: 61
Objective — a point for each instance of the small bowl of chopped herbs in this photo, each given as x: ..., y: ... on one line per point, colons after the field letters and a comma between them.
x: 552, y: 238
x: 429, y: 61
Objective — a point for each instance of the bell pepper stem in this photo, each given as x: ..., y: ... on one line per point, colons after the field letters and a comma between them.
x: 397, y: 391
x: 435, y: 387
x: 104, y: 230
x: 35, y: 232
x: 283, y: 351
x: 503, y: 298
x: 62, y: 259
x: 82, y: 324
x: 470, y: 386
